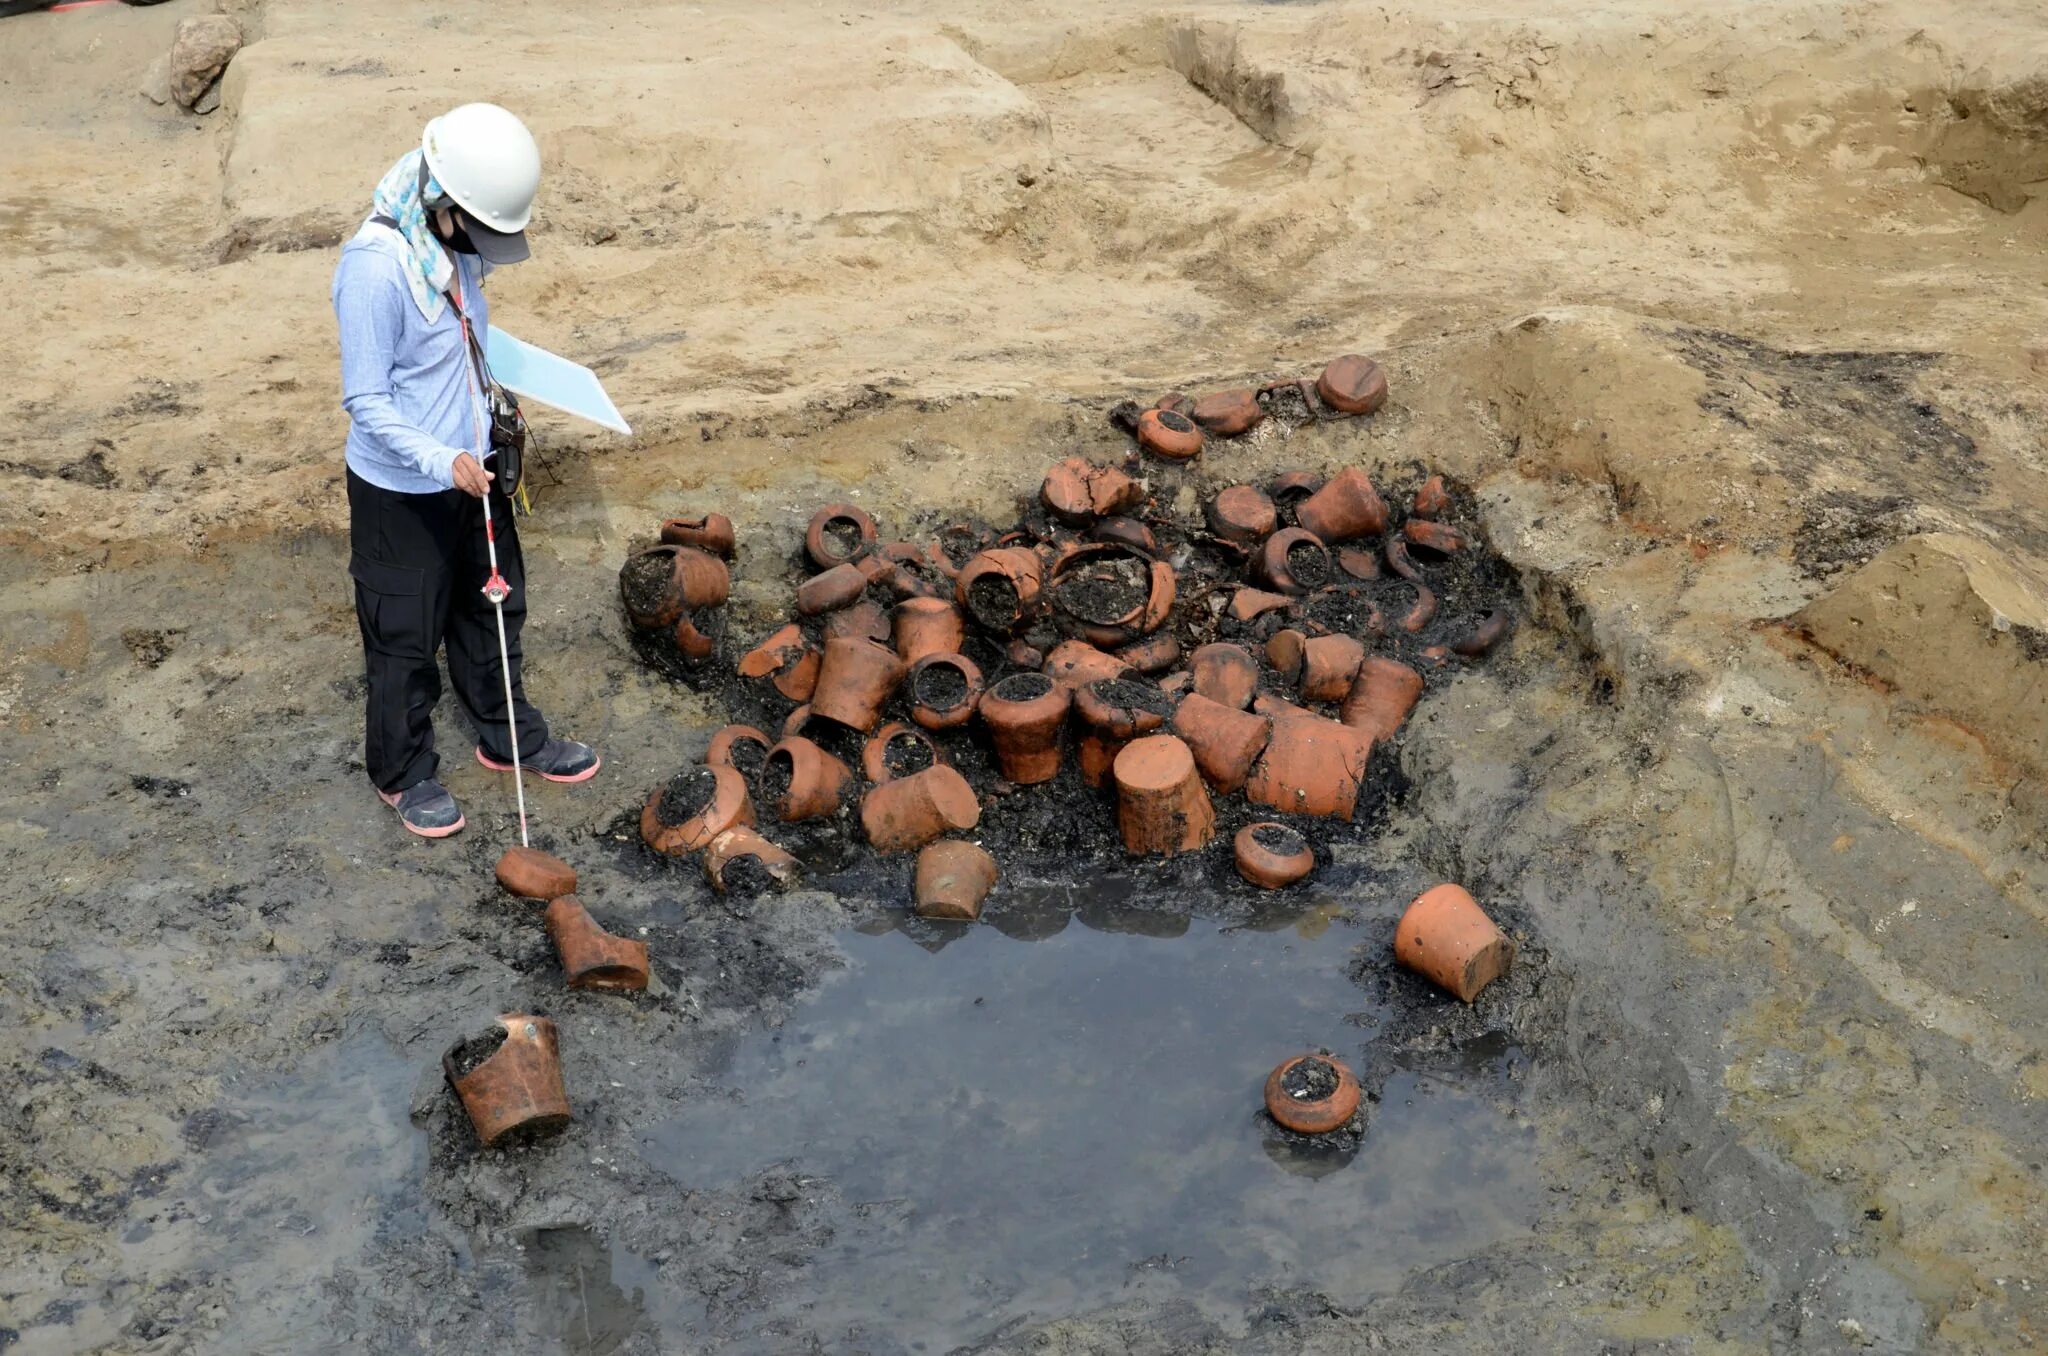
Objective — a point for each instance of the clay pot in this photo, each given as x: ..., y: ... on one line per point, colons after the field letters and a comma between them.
x: 796, y: 720
x: 1290, y: 488
x: 1225, y: 740
x: 1328, y: 666
x: 1284, y: 653
x: 1347, y: 507
x: 1125, y: 532
x: 1381, y: 697
x: 1400, y: 562
x: 831, y: 590
x: 1228, y: 413
x: 1353, y: 384
x: 1162, y: 808
x: 1094, y: 756
x: 1246, y: 604
x: 728, y: 807
x: 735, y: 845
x: 1422, y: 613
x: 591, y: 957
x: 1492, y: 629
x: 1024, y: 655
x: 1167, y: 434
x: 1156, y: 653
x: 925, y: 626
x: 829, y: 527
x: 1076, y: 663
x: 818, y: 782
x: 952, y: 880
x: 1243, y: 515
x: 864, y: 620
x: 1447, y: 939
x: 533, y: 874
x: 1311, y: 766
x: 874, y: 757
x: 1278, y: 708
x: 904, y: 814
x: 1024, y: 713
x: 518, y: 1087
x: 1177, y: 401
x: 654, y: 603
x: 1312, y: 1115
x: 1225, y: 673
x: 1358, y: 564
x: 1144, y: 617
x: 856, y: 677
x: 1432, y: 500
x: 1272, y: 856
x: 1177, y: 684
x: 692, y: 642
x: 712, y: 532
x: 1438, y: 537
x: 787, y: 660
x: 1077, y: 492
x: 923, y: 683
x: 1100, y: 706
x: 1292, y: 560
x: 999, y: 588
x: 720, y: 753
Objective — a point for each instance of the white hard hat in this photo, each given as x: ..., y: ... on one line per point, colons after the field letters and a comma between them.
x: 487, y: 162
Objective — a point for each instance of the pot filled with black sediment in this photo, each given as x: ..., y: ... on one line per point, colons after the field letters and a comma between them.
x: 1102, y: 591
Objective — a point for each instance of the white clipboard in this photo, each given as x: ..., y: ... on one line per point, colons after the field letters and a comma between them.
x: 527, y: 370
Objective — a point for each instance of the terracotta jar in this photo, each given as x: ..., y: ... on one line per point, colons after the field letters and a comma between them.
x: 1108, y: 564
x: 1421, y: 614
x: 1228, y: 413
x: 1245, y: 604
x: 1167, y: 434
x: 736, y: 847
x: 1125, y: 532
x: 1311, y: 766
x: 696, y: 635
x: 680, y: 818
x: 518, y: 1087
x: 1279, y: 708
x: 1243, y: 515
x: 863, y: 620
x: 651, y: 587
x: 1381, y: 697
x: 1272, y: 856
x: 943, y: 690
x: 1432, y: 500
x: 1122, y: 708
x: 1076, y: 492
x: 1292, y: 560
x: 1348, y: 506
x: 1162, y: 808
x: 1353, y: 384
x: 1317, y: 1112
x: 1177, y: 401
x: 787, y: 660
x: 999, y: 588
x: 725, y: 748
x: 837, y: 534
x: 904, y: 814
x: 712, y: 532
x: 857, y: 676
x: 833, y: 589
x: 1225, y: 673
x: 953, y: 878
x: 925, y: 626
x: 887, y: 744
x: 591, y: 957
x: 813, y: 783
x: 1024, y: 713
x: 1328, y: 666
x: 1492, y: 629
x: 796, y: 720
x: 1447, y: 939
x: 532, y: 874
x: 1094, y: 756
x: 1225, y: 740
x: 1284, y: 650
x: 1155, y: 653
x: 1074, y: 663
x: 1291, y: 488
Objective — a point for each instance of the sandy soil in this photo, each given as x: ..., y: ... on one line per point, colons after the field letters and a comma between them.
x: 1734, y: 322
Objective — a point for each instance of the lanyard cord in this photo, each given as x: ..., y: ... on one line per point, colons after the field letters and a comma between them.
x: 472, y: 361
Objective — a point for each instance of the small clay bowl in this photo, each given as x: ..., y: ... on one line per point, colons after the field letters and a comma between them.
x: 1314, y: 1115
x: 826, y: 539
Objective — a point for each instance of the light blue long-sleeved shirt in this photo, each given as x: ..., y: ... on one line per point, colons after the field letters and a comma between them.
x: 413, y: 405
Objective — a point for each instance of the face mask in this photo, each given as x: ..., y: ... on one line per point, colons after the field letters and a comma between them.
x: 455, y: 238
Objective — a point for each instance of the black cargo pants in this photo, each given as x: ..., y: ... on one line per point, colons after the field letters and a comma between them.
x: 419, y: 565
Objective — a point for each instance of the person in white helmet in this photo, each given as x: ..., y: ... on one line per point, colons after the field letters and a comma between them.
x: 408, y: 294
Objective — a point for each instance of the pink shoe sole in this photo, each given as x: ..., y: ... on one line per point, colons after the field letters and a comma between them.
x: 583, y: 776
x: 461, y: 822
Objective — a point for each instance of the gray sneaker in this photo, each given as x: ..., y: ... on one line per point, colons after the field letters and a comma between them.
x: 426, y: 808
x: 559, y: 760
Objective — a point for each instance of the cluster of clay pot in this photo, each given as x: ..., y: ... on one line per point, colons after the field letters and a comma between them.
x: 675, y: 592
x: 1176, y: 427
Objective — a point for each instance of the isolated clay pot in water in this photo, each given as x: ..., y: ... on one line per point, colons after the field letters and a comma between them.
x: 943, y: 689
x: 1162, y: 808
x: 922, y: 626
x: 1155, y: 653
x: 1243, y: 515
x: 1228, y: 413
x: 1125, y: 532
x: 1272, y: 856
x: 801, y: 781
x: 828, y: 592
x: 864, y: 620
x: 1311, y: 766
x: 1312, y: 1095
x: 897, y: 750
x: 837, y: 534
x: 1432, y: 500
x: 591, y: 957
x: 1328, y: 666
x: 1023, y: 714
x: 684, y: 815
x: 1353, y: 384
x: 1347, y: 507
x: 857, y: 676
x: 1492, y: 629
x: 999, y: 588
x: 1076, y: 491
x: 515, y: 1088
x: 1245, y: 604
x: 1225, y: 740
x: 532, y: 874
x: 953, y: 878
x: 1447, y: 939
x: 1225, y: 673
x: 741, y: 858
x: 1292, y: 560
x: 1076, y: 663
x: 788, y: 660
x: 1381, y: 696
x: 712, y: 532
x: 904, y: 814
x: 1167, y: 434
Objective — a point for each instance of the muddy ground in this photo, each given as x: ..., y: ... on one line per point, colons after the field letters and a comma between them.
x: 1734, y: 328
